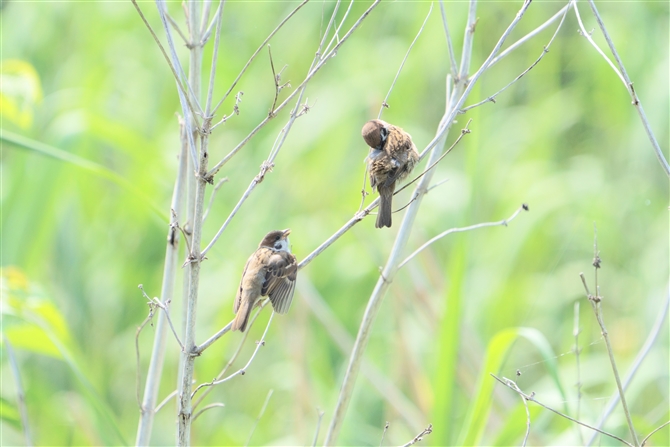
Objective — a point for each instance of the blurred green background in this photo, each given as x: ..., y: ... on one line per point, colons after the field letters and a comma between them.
x: 86, y: 78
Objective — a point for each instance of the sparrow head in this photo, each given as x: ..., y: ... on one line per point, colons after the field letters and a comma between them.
x: 277, y: 239
x: 375, y: 132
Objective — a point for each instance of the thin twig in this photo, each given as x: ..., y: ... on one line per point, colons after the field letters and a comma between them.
x: 464, y: 132
x: 644, y: 441
x: 260, y: 415
x: 215, y: 55
x: 276, y: 77
x: 165, y: 401
x: 241, y: 371
x: 386, y: 427
x: 545, y: 50
x: 386, y: 388
x: 318, y: 426
x: 253, y: 56
x: 385, y: 103
x: 219, y: 184
x: 165, y: 309
x: 205, y: 16
x: 468, y: 41
x: 20, y: 394
x: 525, y: 404
x: 531, y: 397
x: 450, y: 46
x: 629, y: 85
x: 527, y: 37
x: 336, y: 33
x: 155, y: 302
x: 298, y: 90
x: 440, y: 183
x: 644, y: 351
x: 596, y: 303
x: 167, y: 58
x: 266, y: 167
x: 503, y: 222
x: 235, y: 354
x: 575, y: 332
x: 138, y: 377
x: 208, y: 407
x: 426, y: 431
x: 205, y: 33
x: 588, y: 37
x: 175, y: 25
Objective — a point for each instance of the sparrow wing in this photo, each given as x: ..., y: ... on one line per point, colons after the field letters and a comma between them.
x: 280, y: 276
x: 253, y: 260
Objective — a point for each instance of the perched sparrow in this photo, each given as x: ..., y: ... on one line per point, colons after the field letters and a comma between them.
x: 392, y: 158
x: 270, y: 271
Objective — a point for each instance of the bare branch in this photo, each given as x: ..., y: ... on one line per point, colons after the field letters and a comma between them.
x: 588, y: 37
x: 298, y: 90
x: 596, y: 303
x: 167, y: 58
x: 219, y: 184
x: 260, y: 415
x: 215, y: 55
x: 523, y: 73
x: 464, y: 132
x: 175, y: 25
x: 208, y: 407
x: 503, y: 222
x: 644, y: 351
x: 386, y: 427
x: 531, y: 397
x: 468, y: 40
x: 402, y: 64
x: 386, y: 388
x: 243, y: 370
x: 253, y: 56
x: 230, y: 362
x: 165, y: 401
x: 644, y: 441
x: 561, y: 12
x: 575, y: 332
x: 631, y: 90
x: 318, y: 426
x: 452, y: 59
x: 426, y: 431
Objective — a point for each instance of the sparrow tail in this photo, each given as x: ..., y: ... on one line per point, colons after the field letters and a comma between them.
x: 385, y: 205
x: 242, y: 316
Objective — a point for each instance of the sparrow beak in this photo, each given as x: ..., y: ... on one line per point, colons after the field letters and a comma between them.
x: 287, y: 232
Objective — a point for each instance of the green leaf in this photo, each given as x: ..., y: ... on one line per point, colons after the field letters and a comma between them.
x: 36, y: 325
x: 496, y: 353
x: 23, y: 142
x: 10, y: 413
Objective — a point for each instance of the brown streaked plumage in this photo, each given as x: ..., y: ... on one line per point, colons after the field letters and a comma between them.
x: 270, y: 271
x: 391, y: 159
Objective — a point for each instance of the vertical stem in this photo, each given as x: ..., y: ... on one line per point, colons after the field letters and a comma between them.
x: 184, y: 415
x: 575, y: 333
x: 599, y: 316
x: 154, y: 373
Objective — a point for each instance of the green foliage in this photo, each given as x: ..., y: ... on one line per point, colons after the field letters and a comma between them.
x: 88, y: 163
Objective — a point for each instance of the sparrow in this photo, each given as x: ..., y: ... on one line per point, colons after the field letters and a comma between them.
x: 392, y: 158
x: 270, y: 271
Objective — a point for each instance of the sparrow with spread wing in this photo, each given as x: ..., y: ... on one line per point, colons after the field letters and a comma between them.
x: 270, y: 271
x: 391, y: 159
